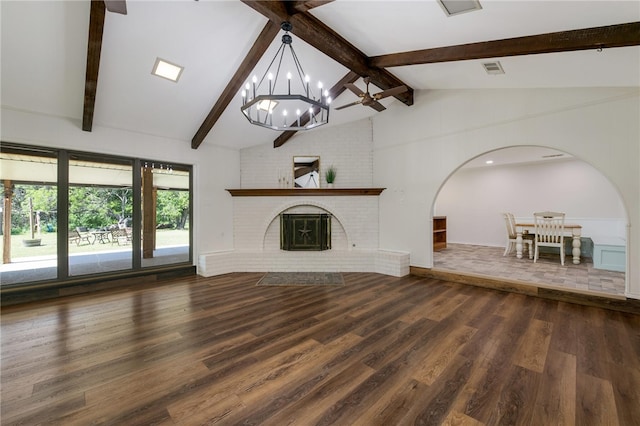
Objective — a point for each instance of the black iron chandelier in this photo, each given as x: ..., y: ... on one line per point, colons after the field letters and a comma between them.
x: 286, y: 104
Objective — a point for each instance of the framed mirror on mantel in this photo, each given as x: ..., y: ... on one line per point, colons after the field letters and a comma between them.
x: 306, y: 171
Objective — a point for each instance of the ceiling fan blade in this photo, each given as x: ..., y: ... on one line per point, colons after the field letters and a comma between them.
x: 377, y: 106
x: 355, y: 89
x: 390, y: 92
x: 348, y: 105
x: 116, y: 6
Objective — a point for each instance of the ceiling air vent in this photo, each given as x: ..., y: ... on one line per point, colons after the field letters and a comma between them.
x: 455, y: 7
x: 493, y: 67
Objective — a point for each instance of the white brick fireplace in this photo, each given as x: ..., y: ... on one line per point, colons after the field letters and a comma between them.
x: 354, y: 238
x: 355, y: 233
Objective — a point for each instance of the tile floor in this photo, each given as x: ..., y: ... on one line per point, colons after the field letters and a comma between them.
x: 490, y: 261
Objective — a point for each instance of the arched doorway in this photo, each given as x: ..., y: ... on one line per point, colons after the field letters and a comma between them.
x: 522, y: 180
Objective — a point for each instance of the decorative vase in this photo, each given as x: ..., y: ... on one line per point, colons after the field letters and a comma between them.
x: 330, y: 185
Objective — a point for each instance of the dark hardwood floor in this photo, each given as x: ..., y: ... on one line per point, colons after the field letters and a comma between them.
x: 377, y: 351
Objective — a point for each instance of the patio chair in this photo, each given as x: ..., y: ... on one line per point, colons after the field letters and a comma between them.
x: 120, y: 236
x: 85, y: 234
x: 76, y: 237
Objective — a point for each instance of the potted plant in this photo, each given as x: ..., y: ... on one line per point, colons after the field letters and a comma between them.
x: 330, y: 176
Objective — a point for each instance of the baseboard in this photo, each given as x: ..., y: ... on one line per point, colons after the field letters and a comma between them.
x: 14, y: 295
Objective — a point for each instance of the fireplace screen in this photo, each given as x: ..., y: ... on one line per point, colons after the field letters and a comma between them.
x: 305, y: 231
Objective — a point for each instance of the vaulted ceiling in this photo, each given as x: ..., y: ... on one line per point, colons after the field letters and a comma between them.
x: 57, y: 61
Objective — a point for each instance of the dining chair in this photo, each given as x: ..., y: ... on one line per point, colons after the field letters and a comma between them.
x: 549, y: 228
x: 527, y: 239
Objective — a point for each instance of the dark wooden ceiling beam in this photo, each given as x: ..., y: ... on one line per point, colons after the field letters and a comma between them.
x: 336, y: 90
x: 305, y: 6
x: 262, y: 43
x: 323, y: 38
x: 94, y: 47
x: 563, y: 41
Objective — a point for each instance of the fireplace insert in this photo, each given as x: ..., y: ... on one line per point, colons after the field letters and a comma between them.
x: 311, y: 232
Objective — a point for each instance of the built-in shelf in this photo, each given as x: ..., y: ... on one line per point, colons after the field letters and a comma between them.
x: 439, y: 233
x: 283, y: 192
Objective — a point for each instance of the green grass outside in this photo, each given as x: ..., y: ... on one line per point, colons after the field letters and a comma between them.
x: 164, y: 237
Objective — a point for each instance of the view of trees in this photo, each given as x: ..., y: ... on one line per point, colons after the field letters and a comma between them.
x: 93, y: 207
x: 44, y: 201
x: 172, y: 208
x: 99, y: 207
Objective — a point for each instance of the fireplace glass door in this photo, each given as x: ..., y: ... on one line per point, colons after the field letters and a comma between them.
x: 310, y: 232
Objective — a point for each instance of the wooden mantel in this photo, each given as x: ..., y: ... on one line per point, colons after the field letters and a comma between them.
x: 301, y: 192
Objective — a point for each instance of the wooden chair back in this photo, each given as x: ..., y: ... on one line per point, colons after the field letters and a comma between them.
x: 549, y: 228
x: 510, y: 222
x: 549, y: 232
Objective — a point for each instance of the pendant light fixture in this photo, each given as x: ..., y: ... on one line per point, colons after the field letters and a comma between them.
x: 289, y: 101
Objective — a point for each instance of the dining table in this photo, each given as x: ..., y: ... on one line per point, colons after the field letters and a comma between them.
x: 102, y: 236
x: 572, y: 229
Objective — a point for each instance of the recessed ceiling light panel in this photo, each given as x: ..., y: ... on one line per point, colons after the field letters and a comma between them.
x: 456, y: 7
x: 267, y: 105
x: 166, y: 69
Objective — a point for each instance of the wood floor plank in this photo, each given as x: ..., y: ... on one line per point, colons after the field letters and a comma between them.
x: 516, y: 403
x: 590, y: 340
x: 446, y: 307
x: 565, y: 338
x: 376, y: 357
x: 444, y: 392
x: 473, y: 391
x: 437, y: 360
x: 557, y: 403
x: 36, y: 415
x: 127, y: 396
x: 296, y: 378
x: 618, y: 342
x: 626, y: 392
x: 208, y: 408
x: 595, y: 401
x: 532, y: 352
x: 256, y: 385
x: 484, y: 401
x: 397, y: 406
x: 456, y: 418
x: 319, y: 395
x: 379, y: 350
x: 288, y: 371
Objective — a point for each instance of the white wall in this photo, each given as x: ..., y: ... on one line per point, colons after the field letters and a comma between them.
x: 417, y: 148
x: 214, y: 168
x: 349, y: 148
x: 479, y: 196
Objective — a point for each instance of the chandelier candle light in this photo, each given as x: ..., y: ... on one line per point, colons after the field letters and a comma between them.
x: 274, y: 108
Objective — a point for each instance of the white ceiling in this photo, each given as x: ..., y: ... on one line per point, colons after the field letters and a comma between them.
x: 44, y: 47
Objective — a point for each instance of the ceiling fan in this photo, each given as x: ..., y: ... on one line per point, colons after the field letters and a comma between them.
x: 367, y: 99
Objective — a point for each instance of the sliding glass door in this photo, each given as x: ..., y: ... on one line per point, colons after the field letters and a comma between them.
x: 29, y: 215
x: 68, y: 215
x: 100, y: 214
x: 165, y: 207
